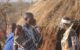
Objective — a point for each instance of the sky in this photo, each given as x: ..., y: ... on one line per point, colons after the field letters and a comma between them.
x: 17, y: 0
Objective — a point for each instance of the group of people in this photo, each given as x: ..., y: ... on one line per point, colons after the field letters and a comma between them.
x: 68, y: 34
x: 25, y: 37
x: 28, y: 37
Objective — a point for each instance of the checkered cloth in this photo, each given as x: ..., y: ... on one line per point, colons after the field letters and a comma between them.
x: 70, y: 41
x: 29, y: 40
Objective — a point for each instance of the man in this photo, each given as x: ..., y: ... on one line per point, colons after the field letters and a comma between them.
x: 18, y: 33
x: 28, y: 41
x: 61, y: 30
x: 31, y: 29
x: 10, y: 38
x: 1, y: 38
x: 28, y: 26
x: 70, y: 39
x: 0, y: 45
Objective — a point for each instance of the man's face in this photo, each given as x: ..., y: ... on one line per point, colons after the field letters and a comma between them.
x: 27, y: 20
x: 9, y: 29
x: 17, y: 31
x: 66, y: 26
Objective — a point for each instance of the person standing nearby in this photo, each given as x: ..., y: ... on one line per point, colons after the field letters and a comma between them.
x: 10, y: 37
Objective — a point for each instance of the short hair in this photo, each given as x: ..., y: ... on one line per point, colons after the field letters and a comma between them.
x: 29, y: 15
x: 19, y: 27
x: 66, y: 18
x: 13, y: 26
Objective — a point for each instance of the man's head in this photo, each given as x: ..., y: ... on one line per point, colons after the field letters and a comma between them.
x: 11, y: 27
x: 65, y: 22
x: 18, y: 30
x: 29, y: 17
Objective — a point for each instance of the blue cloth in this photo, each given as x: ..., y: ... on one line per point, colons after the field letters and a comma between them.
x: 9, y: 42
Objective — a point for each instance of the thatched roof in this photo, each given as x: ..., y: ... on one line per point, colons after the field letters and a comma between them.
x: 48, y: 14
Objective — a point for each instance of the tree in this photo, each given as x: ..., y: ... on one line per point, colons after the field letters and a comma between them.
x: 3, y: 14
